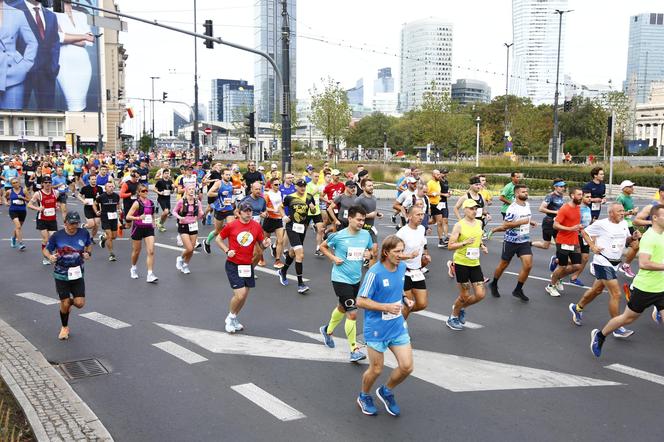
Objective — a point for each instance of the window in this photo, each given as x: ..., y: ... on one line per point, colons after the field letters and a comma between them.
x: 653, y: 19
x: 2, y: 126
x: 55, y: 127
x: 24, y: 126
x: 660, y: 19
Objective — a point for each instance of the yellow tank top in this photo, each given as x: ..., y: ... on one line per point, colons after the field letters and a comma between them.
x: 469, y: 255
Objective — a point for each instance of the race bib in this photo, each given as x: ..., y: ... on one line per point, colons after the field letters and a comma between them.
x: 144, y: 177
x: 228, y: 201
x: 62, y: 187
x: 88, y: 201
x: 112, y: 215
x: 595, y: 206
x: 390, y: 316
x: 49, y: 211
x: 166, y: 192
x: 30, y: 173
x: 355, y: 254
x: 473, y: 252
x: 345, y: 216
x: 133, y: 197
x: 415, y: 275
x: 478, y: 214
x: 617, y: 245
x: 524, y: 229
x: 74, y: 273
x: 441, y: 206
x: 244, y: 271
x: 193, y: 227
x: 298, y: 228
x: 568, y: 247
x: 256, y: 218
x: 17, y: 202
x: 37, y: 186
x: 147, y: 219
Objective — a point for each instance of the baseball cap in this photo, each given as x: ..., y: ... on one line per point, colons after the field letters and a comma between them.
x: 444, y: 171
x: 335, y: 172
x: 261, y: 168
x: 661, y: 188
x: 245, y: 207
x: 72, y: 217
x: 559, y: 184
x: 46, y: 179
x: 475, y: 180
x: 310, y: 167
x: 469, y: 203
x: 350, y: 183
x: 411, y: 179
x: 300, y: 182
x: 273, y: 166
x: 626, y: 183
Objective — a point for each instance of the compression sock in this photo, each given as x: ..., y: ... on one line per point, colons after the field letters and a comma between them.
x: 287, y: 263
x: 519, y: 286
x: 298, y: 271
x: 335, y: 319
x: 64, y: 319
x: 351, y: 333
x: 210, y: 237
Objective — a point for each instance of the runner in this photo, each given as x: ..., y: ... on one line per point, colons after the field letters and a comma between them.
x: 17, y: 211
x: 273, y: 223
x: 188, y: 211
x: 45, y: 202
x: 610, y: 235
x: 415, y: 255
x: 315, y: 215
x: 438, y: 192
x: 549, y: 207
x: 368, y: 201
x: 141, y: 214
x: 107, y: 206
x: 351, y: 246
x: 59, y: 181
x: 87, y: 195
x: 258, y: 210
x: 242, y: 235
x: 381, y: 296
x: 480, y: 214
x: 597, y: 190
x: 251, y: 176
x: 331, y: 191
x: 209, y: 180
x: 337, y: 210
x: 128, y: 195
x: 586, y: 220
x: 507, y: 194
x: 625, y: 199
x: 8, y: 173
x: 516, y: 225
x: 164, y: 189
x: 223, y: 206
x: 647, y: 287
x: 143, y: 172
x: 405, y: 198
x: 68, y: 249
x: 466, y: 241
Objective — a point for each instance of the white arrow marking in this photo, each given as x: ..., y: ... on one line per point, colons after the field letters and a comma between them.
x: 272, y: 404
x: 637, y: 373
x: 454, y: 373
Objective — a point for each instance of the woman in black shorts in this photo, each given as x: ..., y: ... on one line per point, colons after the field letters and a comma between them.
x: 141, y: 214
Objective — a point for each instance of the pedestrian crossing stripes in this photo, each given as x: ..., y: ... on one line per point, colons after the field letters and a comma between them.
x: 630, y: 371
x: 38, y: 298
x: 268, y: 402
x: 439, y: 317
x: 113, y: 323
x: 180, y: 352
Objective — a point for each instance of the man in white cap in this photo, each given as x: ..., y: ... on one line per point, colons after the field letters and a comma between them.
x: 625, y: 199
x: 273, y: 173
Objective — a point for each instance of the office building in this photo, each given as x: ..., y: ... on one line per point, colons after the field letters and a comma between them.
x: 386, y: 103
x: 221, y: 88
x: 471, y: 91
x: 179, y: 121
x: 238, y: 102
x: 645, y: 55
x: 356, y: 94
x: 384, y: 83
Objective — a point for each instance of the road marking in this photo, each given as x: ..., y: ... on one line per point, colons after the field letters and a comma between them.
x: 180, y: 352
x: 443, y: 318
x: 624, y: 369
x: 268, y: 402
x: 105, y: 320
x: 276, y: 272
x: 38, y: 298
x: 451, y: 372
x: 549, y: 280
x: 39, y: 239
x: 169, y: 247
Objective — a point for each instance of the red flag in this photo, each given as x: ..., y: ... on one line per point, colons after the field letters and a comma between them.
x: 130, y: 112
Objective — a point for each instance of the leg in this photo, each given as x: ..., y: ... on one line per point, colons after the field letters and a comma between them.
x: 627, y: 317
x: 110, y: 237
x: 445, y: 227
x: 502, y: 266
x: 421, y: 299
x: 404, y: 356
x: 562, y: 271
x: 188, y: 242
x: 135, y: 251
x: 376, y: 361
x: 18, y: 234
x: 149, y: 248
x: 614, y: 297
x: 544, y: 245
x: 584, y: 262
x: 438, y: 219
x: 590, y: 294
x: 238, y: 300
x: 350, y: 327
x: 526, y: 267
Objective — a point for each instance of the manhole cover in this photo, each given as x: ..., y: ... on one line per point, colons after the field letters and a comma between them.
x: 84, y: 368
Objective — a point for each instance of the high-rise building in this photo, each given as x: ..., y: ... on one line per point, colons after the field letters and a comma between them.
x: 179, y: 121
x: 384, y: 83
x: 471, y: 91
x: 645, y: 56
x: 356, y: 94
x: 238, y: 102
x: 268, y: 23
x: 219, y: 110
x: 535, y: 51
x: 426, y: 58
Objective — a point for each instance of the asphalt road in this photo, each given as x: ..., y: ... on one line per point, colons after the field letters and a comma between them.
x: 523, y: 373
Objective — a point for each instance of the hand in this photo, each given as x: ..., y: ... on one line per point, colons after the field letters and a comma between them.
x: 534, y: 223
x: 338, y: 261
x: 52, y: 258
x: 636, y: 235
x: 394, y: 309
x: 577, y: 228
x: 426, y: 260
x: 484, y: 249
x: 469, y: 241
x: 488, y: 217
x: 98, y: 213
x: 86, y: 255
x: 409, y: 302
x: 337, y: 223
x: 379, y: 215
x: 367, y: 254
x: 230, y: 253
x: 596, y: 250
x: 267, y: 242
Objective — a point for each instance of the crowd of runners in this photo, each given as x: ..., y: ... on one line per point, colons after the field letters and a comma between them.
x: 260, y: 218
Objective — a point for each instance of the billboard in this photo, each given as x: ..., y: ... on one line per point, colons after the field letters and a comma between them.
x: 48, y: 60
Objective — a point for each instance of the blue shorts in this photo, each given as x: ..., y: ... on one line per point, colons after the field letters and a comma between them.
x: 605, y: 272
x: 235, y: 280
x: 382, y: 346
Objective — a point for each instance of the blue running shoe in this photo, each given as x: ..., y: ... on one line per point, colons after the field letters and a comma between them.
x: 302, y: 289
x: 282, y: 278
x: 357, y: 356
x: 366, y: 404
x: 462, y: 316
x: 576, y: 315
x: 387, y: 398
x: 622, y: 333
x: 656, y: 316
x: 553, y: 263
x: 454, y: 323
x: 595, y: 345
x: 577, y: 281
x: 326, y: 338
x: 13, y: 242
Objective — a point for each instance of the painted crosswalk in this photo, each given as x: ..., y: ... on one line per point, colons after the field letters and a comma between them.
x: 46, y: 300
x: 113, y: 323
x: 443, y: 318
x: 184, y: 354
x: 272, y: 404
x: 630, y: 371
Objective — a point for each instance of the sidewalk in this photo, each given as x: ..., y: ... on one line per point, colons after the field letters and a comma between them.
x: 54, y: 410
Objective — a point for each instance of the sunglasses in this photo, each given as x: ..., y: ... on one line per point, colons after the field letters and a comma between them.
x: 143, y: 191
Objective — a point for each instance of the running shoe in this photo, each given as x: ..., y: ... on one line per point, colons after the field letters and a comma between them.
x: 261, y: 263
x: 206, y: 247
x: 595, y: 345
x: 13, y: 242
x: 577, y: 281
x: 462, y: 316
x: 366, y: 404
x: 394, y: 219
x: 102, y: 241
x: 161, y: 228
x: 656, y: 316
x: 441, y: 243
x: 622, y: 333
x: 577, y: 316
x: 387, y: 398
x: 553, y: 263
x: 237, y: 325
x: 327, y: 338
x: 64, y: 333
x: 446, y: 241
x: 273, y: 251
x: 493, y: 286
x: 21, y: 246
x: 133, y: 273
x: 357, y: 356
x: 450, y: 269
x: 46, y: 262
x: 178, y: 263
x: 151, y: 278
x: 560, y: 286
x: 518, y: 293
x: 198, y: 245
x: 185, y: 268
x: 365, y: 264
x: 454, y: 323
x: 551, y: 290
x: 278, y: 264
x: 112, y: 257
x: 302, y: 289
x: 229, y: 326
x: 627, y: 270
x: 318, y: 253
x: 282, y: 278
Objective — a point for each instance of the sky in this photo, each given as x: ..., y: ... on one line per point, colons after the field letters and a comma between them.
x: 360, y: 37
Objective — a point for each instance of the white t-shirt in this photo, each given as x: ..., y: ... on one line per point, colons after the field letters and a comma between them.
x: 519, y: 234
x: 406, y: 198
x: 611, y: 238
x: 413, y: 240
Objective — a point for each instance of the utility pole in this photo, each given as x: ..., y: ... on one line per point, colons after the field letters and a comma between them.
x: 197, y: 153
x: 152, y: 109
x: 507, y: 83
x: 285, y: 112
x: 554, y: 141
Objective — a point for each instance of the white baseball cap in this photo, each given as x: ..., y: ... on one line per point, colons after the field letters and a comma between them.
x: 626, y: 183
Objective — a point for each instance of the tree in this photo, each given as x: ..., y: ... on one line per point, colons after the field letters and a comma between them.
x: 585, y: 119
x: 369, y: 131
x: 330, y: 111
x: 145, y: 142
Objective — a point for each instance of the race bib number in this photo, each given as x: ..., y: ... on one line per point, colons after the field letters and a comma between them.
x: 17, y: 202
x: 74, y: 273
x: 568, y: 247
x: 147, y: 219
x: 524, y: 229
x: 166, y: 192
x: 355, y: 254
x: 473, y: 252
x: 88, y: 201
x: 144, y: 177
x: 30, y: 173
x: 595, y: 206
x: 49, y: 212
x: 415, y: 275
x: 479, y: 212
x: 228, y: 201
x: 441, y: 206
x: 133, y: 197
x: 298, y: 228
x: 244, y: 271
x: 112, y: 215
x: 390, y: 316
x: 256, y: 218
x: 193, y: 227
x: 617, y: 245
x: 345, y: 215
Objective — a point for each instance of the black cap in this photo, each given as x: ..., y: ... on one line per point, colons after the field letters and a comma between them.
x: 245, y: 207
x: 661, y: 188
x: 300, y: 182
x: 444, y: 170
x: 72, y: 217
x: 350, y: 183
x: 362, y: 173
x: 46, y: 179
x: 475, y: 180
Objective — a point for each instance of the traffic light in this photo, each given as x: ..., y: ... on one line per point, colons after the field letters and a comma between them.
x: 119, y: 132
x: 567, y: 106
x: 164, y: 96
x: 58, y: 6
x: 210, y: 33
x: 250, y: 124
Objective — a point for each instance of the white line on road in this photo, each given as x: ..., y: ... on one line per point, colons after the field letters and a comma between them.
x: 549, y: 280
x: 105, y: 320
x: 276, y: 272
x: 169, y: 247
x: 180, y: 352
x: 444, y: 318
x: 624, y: 369
x: 267, y: 402
x: 38, y: 298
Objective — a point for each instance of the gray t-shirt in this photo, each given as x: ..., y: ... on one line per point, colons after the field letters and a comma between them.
x: 343, y: 203
x: 369, y: 204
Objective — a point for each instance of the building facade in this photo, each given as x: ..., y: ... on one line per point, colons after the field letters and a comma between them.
x: 220, y: 90
x: 238, y: 101
x: 535, y: 51
x: 384, y: 83
x: 386, y: 103
x: 356, y: 94
x: 426, y: 59
x: 471, y: 91
x: 649, y: 118
x: 268, y: 24
x: 645, y: 55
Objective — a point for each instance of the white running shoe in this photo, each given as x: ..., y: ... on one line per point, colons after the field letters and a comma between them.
x: 185, y: 268
x: 151, y: 278
x: 559, y: 286
x: 133, y: 273
x: 178, y: 263
x: 551, y: 290
x: 230, y: 325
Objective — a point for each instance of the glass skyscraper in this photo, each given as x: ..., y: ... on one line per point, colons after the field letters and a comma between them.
x: 645, y: 56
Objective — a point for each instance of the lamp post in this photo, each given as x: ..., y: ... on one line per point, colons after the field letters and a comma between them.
x: 197, y: 153
x: 477, y: 143
x: 554, y: 141
x: 507, y: 83
x: 152, y: 109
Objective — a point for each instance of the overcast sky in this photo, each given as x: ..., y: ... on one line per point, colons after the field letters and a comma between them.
x: 364, y: 36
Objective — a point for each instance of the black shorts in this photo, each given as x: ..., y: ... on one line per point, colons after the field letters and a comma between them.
x: 548, y: 231
x: 436, y: 211
x: 78, y: 174
x: 164, y: 202
x: 585, y: 248
x: 89, y: 212
x: 515, y: 248
x: 67, y: 289
x: 126, y: 205
x: 347, y: 294
x: 109, y: 224
x: 138, y: 233
x: 640, y: 300
x: 409, y: 284
x: 295, y: 239
x: 211, y: 200
x: 466, y: 274
x: 271, y: 225
x: 20, y: 214
x: 221, y: 216
x: 568, y: 256
x: 183, y: 229
x: 62, y: 198
x: 316, y: 218
x: 235, y: 280
x: 51, y: 226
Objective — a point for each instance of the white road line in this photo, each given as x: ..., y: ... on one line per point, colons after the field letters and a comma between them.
x: 267, y: 402
x: 169, y: 247
x: 39, y: 239
x: 105, y: 320
x: 549, y: 280
x: 444, y: 318
x: 38, y: 298
x: 276, y: 272
x: 624, y: 369
x: 180, y: 352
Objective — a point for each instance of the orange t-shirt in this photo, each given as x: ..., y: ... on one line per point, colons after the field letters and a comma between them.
x: 568, y: 216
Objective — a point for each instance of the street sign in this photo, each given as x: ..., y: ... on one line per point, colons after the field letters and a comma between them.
x: 108, y: 23
x: 208, y: 131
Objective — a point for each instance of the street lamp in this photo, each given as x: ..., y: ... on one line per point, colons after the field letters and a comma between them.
x: 477, y: 144
x: 554, y: 142
x: 507, y: 83
x: 152, y: 108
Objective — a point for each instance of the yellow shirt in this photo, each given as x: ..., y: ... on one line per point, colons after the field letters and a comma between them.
x: 486, y: 195
x: 469, y: 255
x: 433, y: 186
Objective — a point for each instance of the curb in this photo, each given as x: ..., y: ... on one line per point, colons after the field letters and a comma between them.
x: 26, y: 406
